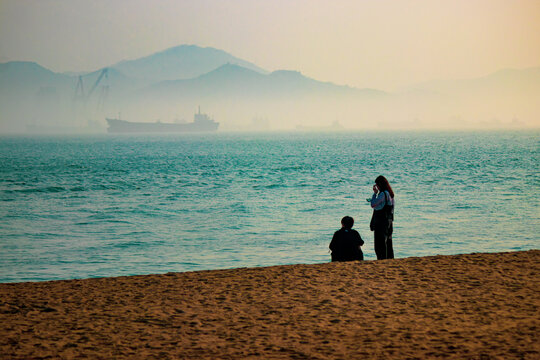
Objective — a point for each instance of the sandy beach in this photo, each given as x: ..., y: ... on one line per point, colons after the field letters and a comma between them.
x: 474, y: 306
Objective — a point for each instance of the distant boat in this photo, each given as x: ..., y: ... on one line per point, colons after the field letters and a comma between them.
x: 201, y: 123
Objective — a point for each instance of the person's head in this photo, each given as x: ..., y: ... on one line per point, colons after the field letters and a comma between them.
x: 384, y: 185
x: 347, y: 222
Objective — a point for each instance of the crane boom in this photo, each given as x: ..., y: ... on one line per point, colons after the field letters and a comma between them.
x: 104, y: 72
x: 79, y: 90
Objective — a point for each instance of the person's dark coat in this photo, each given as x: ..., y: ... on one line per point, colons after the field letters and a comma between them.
x: 345, y: 245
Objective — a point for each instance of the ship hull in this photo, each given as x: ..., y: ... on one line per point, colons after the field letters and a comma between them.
x: 123, y: 126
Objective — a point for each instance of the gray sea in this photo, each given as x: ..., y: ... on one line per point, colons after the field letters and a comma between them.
x: 93, y: 206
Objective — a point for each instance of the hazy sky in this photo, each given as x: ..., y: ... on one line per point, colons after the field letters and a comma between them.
x: 379, y: 43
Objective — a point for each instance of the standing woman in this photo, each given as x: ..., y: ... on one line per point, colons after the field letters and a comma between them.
x: 382, y: 203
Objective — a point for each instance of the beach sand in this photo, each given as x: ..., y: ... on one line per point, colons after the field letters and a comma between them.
x: 475, y: 306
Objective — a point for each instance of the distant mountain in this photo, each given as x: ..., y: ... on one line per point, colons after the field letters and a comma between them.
x: 234, y: 80
x: 17, y: 75
x: 28, y: 78
x: 294, y: 80
x: 30, y: 93
x: 180, y: 62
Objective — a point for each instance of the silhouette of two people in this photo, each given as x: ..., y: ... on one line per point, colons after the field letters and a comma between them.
x: 346, y: 242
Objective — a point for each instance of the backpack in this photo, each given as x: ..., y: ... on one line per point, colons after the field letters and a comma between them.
x: 388, y: 209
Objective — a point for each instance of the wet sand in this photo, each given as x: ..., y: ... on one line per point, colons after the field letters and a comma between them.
x: 475, y: 306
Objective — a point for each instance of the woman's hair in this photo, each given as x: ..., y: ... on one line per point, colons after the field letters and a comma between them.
x: 384, y: 185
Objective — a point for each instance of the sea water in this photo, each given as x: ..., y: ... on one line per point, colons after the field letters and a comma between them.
x: 93, y: 206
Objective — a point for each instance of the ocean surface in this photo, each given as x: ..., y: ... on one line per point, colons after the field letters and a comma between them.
x: 93, y: 206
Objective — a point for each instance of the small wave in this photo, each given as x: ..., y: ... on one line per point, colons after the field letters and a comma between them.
x: 189, y: 264
x: 104, y: 218
x: 128, y: 244
x: 104, y: 187
x: 272, y: 186
x: 302, y: 185
x: 289, y: 168
x: 239, y: 207
x: 94, y: 220
x: 466, y: 207
x: 119, y: 221
x: 54, y: 189
x: 78, y: 188
x: 47, y: 189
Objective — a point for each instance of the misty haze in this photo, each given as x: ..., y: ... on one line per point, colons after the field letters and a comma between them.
x: 169, y: 86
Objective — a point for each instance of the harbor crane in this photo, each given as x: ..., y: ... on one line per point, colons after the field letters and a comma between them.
x: 79, y: 90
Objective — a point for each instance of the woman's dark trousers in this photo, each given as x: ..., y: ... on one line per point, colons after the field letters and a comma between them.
x: 383, y: 242
x: 389, y: 246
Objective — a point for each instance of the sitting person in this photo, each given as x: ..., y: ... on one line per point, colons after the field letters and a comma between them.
x: 346, y: 242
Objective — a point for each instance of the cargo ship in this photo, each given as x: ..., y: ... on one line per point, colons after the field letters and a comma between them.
x: 201, y: 123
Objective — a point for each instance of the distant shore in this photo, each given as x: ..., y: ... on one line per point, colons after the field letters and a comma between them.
x: 471, y: 306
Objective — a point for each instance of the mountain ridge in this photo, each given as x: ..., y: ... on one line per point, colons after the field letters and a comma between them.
x: 180, y: 62
x: 232, y: 77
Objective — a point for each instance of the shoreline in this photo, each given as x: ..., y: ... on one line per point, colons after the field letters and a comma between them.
x: 457, y: 306
x: 249, y: 267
